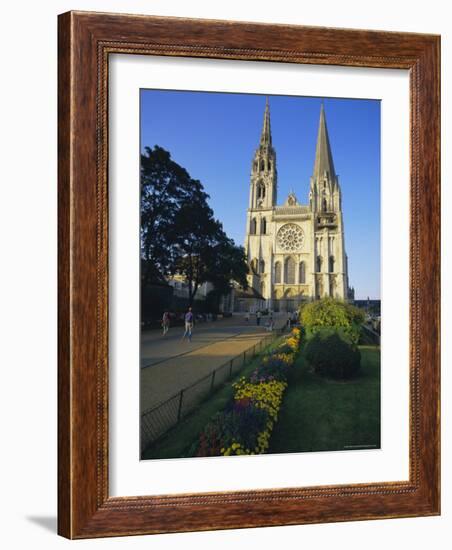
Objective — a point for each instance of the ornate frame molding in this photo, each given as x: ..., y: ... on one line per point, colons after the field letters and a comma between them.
x: 85, y: 42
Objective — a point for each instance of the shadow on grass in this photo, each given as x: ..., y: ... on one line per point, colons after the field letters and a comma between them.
x: 326, y: 415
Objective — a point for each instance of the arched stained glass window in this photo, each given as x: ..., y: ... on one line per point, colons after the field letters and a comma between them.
x: 318, y: 266
x: 289, y: 271
x: 331, y: 264
x: 302, y: 274
x: 277, y: 272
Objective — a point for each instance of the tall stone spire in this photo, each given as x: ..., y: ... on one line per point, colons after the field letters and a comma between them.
x: 325, y: 193
x: 266, y: 135
x: 264, y: 175
x: 323, y: 165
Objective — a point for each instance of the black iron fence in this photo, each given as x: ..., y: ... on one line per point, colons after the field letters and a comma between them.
x: 372, y: 335
x: 157, y: 420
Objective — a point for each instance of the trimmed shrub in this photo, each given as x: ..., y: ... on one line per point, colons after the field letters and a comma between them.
x: 331, y: 355
x: 333, y: 313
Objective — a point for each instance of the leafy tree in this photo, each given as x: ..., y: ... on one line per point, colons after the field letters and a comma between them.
x: 205, y: 251
x: 228, y: 263
x: 195, y: 234
x: 179, y: 233
x: 164, y: 187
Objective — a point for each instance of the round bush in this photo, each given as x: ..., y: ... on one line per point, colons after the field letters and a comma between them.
x: 332, y: 356
x: 333, y: 313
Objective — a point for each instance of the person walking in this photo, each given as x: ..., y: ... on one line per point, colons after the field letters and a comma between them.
x: 188, y: 324
x: 165, y: 322
x: 258, y: 317
x: 270, y: 321
x: 289, y: 319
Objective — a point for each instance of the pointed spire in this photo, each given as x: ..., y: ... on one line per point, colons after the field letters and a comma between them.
x: 323, y: 157
x: 266, y: 135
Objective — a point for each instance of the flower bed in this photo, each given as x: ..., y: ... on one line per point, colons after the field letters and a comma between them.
x: 245, y: 426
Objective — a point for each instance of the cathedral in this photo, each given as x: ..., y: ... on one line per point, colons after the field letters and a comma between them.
x: 295, y: 251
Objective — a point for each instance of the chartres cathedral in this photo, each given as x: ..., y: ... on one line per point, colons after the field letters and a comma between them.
x: 295, y: 251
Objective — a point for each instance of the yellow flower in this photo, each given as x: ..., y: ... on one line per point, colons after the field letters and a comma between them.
x: 265, y: 395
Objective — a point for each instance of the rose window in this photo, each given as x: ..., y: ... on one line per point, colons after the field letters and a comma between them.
x: 290, y: 237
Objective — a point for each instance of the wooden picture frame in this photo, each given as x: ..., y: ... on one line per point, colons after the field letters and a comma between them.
x: 86, y: 40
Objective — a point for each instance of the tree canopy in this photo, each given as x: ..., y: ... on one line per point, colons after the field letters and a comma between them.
x: 179, y: 233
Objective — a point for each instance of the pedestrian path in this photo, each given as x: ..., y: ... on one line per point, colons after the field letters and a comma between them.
x: 165, y: 378
x: 156, y: 348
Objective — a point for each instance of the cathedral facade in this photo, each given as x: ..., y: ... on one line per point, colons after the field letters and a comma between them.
x: 295, y: 251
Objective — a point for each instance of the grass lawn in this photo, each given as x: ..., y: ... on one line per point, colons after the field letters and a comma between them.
x: 176, y: 443
x: 325, y: 415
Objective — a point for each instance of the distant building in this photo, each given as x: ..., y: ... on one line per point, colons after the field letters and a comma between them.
x: 249, y: 300
x: 372, y: 306
x: 296, y: 252
x: 181, y: 287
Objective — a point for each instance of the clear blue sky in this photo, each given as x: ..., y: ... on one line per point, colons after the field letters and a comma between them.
x: 214, y: 136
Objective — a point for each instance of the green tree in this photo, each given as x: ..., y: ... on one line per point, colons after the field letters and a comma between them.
x: 165, y: 186
x: 194, y: 233
x: 179, y: 233
x: 205, y: 252
x: 227, y: 263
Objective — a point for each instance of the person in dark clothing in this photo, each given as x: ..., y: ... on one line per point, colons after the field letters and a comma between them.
x: 188, y: 324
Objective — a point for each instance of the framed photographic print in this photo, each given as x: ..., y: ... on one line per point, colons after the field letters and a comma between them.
x: 248, y: 275
x: 244, y: 301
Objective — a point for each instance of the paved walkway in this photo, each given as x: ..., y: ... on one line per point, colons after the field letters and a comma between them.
x: 156, y: 348
x: 169, y: 365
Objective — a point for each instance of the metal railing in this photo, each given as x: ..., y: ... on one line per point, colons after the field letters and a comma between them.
x: 372, y: 334
x: 157, y: 420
